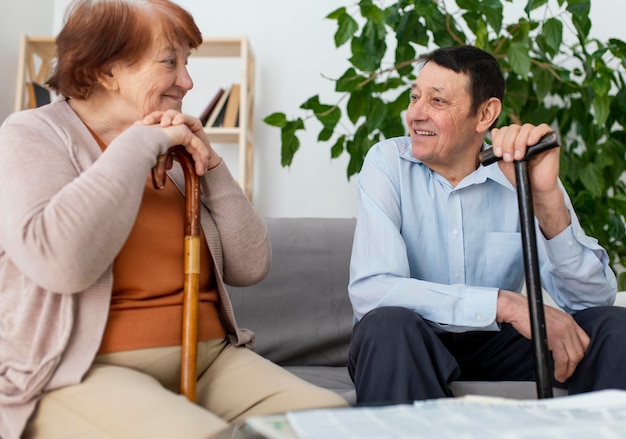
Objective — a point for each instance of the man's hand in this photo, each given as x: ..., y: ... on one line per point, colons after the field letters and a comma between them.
x: 510, y: 143
x: 566, y: 340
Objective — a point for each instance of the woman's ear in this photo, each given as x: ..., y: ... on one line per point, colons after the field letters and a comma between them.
x: 488, y: 114
x: 108, y: 79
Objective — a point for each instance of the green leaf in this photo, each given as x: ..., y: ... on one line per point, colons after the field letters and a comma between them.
x: 534, y: 4
x: 618, y: 49
x: 347, y: 27
x: 551, y: 36
x: 542, y: 81
x: 325, y: 134
x: 368, y: 48
x: 591, y: 178
x: 329, y: 117
x: 336, y: 13
x: 393, y: 127
x: 313, y: 103
x: 349, y: 81
x: 601, y: 84
x: 337, y: 149
x: 405, y: 54
x: 357, y: 105
x: 475, y: 23
x: 491, y: 10
x: 519, y: 58
x: 376, y: 113
x: 580, y: 16
x: 397, y: 106
x: 411, y: 30
x: 389, y: 84
x: 289, y: 140
x: 276, y: 120
x: 616, y: 227
x: 601, y: 108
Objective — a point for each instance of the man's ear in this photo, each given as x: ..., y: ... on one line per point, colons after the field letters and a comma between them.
x: 488, y: 114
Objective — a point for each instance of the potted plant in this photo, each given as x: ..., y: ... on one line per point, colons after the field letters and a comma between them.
x: 577, y: 86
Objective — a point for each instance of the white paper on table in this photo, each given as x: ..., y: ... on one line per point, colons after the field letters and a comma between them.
x: 594, y: 415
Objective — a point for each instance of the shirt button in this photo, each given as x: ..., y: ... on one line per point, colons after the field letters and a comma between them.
x: 570, y: 243
x: 457, y: 275
x: 455, y: 232
x: 478, y: 317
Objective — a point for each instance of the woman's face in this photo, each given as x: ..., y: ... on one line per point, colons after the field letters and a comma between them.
x: 156, y: 82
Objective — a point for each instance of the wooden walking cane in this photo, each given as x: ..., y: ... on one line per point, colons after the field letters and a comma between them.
x: 531, y: 259
x: 192, y: 263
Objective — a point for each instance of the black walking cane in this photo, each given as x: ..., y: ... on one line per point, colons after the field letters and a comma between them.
x: 192, y: 264
x: 531, y: 259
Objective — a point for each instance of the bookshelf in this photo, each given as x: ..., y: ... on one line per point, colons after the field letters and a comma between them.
x: 37, y: 55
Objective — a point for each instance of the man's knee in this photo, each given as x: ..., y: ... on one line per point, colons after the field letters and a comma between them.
x: 606, y: 327
x: 390, y: 330
x: 389, y: 320
x: 603, y: 320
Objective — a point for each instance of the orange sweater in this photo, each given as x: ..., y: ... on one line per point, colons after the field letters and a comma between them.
x: 148, y: 278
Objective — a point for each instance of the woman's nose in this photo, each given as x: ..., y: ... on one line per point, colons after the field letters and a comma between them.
x: 184, y: 80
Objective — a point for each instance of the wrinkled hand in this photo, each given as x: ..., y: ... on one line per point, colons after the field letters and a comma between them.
x: 510, y: 143
x: 566, y: 340
x: 188, y: 131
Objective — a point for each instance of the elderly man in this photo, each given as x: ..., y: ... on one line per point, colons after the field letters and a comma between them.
x: 437, y: 269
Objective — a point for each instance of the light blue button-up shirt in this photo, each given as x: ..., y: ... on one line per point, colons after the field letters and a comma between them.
x: 444, y: 251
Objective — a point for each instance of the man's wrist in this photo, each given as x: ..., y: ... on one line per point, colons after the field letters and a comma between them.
x: 552, y: 214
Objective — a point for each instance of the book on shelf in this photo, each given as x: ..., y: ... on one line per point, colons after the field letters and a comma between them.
x: 217, y: 115
x: 38, y: 95
x: 231, y: 115
x: 204, y: 117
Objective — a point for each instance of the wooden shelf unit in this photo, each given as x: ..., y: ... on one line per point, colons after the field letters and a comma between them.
x: 37, y: 55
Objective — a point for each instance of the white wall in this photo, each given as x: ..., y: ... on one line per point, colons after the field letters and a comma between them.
x: 293, y: 45
x: 33, y: 17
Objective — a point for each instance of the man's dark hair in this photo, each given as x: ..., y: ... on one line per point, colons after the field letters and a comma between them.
x: 485, y: 76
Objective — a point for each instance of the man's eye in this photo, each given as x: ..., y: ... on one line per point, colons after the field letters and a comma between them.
x: 169, y: 62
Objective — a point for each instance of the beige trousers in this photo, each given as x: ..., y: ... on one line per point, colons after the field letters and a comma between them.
x: 134, y: 394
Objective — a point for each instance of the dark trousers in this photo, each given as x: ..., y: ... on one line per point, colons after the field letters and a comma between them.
x: 396, y: 357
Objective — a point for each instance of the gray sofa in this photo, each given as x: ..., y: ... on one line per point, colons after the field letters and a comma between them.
x: 301, y: 313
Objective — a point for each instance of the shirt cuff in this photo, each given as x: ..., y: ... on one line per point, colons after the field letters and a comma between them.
x: 564, y: 246
x: 481, y: 307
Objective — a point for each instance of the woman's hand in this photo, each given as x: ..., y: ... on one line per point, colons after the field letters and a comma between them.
x: 188, y: 131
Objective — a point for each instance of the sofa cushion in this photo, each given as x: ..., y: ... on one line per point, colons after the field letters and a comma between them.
x: 301, y: 312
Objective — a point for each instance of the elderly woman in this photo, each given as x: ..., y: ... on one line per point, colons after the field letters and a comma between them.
x: 91, y: 255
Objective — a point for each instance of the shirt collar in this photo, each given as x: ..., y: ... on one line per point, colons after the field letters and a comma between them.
x: 479, y: 176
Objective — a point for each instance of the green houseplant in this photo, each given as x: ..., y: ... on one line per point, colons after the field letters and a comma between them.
x: 576, y: 86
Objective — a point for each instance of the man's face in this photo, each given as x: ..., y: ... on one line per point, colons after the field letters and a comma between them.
x: 443, y: 131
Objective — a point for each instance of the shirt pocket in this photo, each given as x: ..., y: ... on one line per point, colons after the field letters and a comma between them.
x: 505, y: 263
